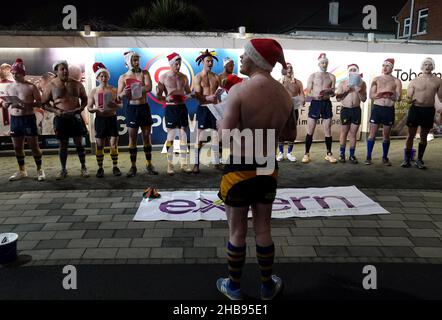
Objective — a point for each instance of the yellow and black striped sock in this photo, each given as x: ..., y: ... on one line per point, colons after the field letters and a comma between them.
x: 148, y: 154
x: 114, y: 156
x: 21, y: 160
x: 133, y: 154
x: 236, y: 257
x: 37, y: 159
x: 169, y: 150
x: 183, y: 152
x: 100, y: 156
x: 265, y: 256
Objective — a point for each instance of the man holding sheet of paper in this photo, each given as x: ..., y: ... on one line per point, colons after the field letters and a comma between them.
x: 21, y: 98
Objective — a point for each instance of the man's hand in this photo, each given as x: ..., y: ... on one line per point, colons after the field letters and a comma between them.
x: 212, y: 98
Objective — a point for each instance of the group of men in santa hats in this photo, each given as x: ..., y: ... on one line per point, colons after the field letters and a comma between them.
x: 249, y: 180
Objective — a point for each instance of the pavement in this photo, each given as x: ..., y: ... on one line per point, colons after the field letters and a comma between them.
x: 87, y: 222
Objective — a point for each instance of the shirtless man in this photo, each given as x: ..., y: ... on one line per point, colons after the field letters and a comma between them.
x: 385, y: 90
x: 351, y: 92
x: 258, y: 103
x: 23, y: 121
x: 295, y: 89
x: 102, y: 102
x: 175, y: 86
x: 321, y: 86
x: 5, y: 79
x: 421, y: 94
x: 229, y: 66
x: 134, y: 86
x: 69, y: 99
x: 47, y: 124
x: 205, y: 85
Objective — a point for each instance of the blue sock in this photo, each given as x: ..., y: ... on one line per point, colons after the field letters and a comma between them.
x: 290, y: 148
x: 281, y: 147
x: 385, y: 148
x: 342, y: 150
x: 370, y: 145
x: 352, y: 151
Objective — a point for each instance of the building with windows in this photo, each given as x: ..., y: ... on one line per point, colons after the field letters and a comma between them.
x: 419, y: 20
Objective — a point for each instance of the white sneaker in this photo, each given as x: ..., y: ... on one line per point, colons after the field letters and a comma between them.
x: 291, y: 157
x: 430, y: 137
x: 18, y: 175
x: 280, y: 157
x: 306, y: 158
x: 84, y: 173
x: 41, y: 175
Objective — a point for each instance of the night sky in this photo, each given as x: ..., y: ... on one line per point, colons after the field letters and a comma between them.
x: 222, y: 15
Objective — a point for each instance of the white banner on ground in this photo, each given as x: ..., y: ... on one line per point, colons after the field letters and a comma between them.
x: 303, y: 203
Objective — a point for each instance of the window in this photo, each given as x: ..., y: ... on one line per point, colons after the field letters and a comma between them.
x: 422, y: 21
x: 407, y: 24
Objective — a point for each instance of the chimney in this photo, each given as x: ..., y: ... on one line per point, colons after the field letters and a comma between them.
x: 333, y: 13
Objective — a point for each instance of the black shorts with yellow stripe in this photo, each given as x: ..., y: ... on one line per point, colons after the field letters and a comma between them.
x: 241, y: 185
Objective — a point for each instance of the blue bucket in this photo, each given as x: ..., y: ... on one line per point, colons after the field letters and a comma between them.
x: 8, y: 247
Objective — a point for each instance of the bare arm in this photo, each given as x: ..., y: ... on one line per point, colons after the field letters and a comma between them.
x: 161, y: 88
x: 301, y: 93
x: 363, y: 92
x: 398, y: 90
x: 340, y: 94
x: 199, y: 89
x: 439, y: 92
x: 46, y: 99
x: 91, y: 102
x: 231, y: 112
x: 121, y: 93
x: 83, y: 97
x: 147, y: 82
x: 333, y: 86
x: 186, y: 86
x: 373, y: 89
x: 410, y: 92
x: 309, y: 85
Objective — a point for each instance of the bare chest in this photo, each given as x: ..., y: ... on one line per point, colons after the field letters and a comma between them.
x: 322, y: 80
x: 65, y: 90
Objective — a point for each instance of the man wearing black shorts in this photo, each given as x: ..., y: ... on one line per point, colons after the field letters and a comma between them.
x: 23, y: 121
x: 321, y: 86
x: 351, y: 92
x: 102, y: 102
x: 421, y: 94
x: 134, y: 86
x: 175, y: 86
x: 66, y: 94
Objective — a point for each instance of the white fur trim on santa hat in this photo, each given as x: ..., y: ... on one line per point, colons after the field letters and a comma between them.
x: 428, y: 59
x: 128, y: 58
x: 57, y: 63
x: 256, y: 57
x: 227, y: 60
x: 100, y: 71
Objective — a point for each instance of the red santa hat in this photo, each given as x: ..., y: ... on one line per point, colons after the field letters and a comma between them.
x: 231, y: 80
x: 353, y: 65
x: 18, y: 67
x: 57, y: 63
x: 389, y: 61
x: 98, y: 68
x: 322, y: 57
x: 265, y: 53
x: 173, y: 57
